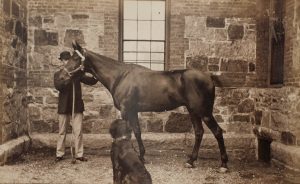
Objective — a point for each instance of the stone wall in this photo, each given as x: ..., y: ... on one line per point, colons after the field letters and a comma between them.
x: 52, y: 27
x: 13, y: 83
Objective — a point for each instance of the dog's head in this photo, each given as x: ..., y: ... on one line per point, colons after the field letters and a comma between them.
x: 119, y: 128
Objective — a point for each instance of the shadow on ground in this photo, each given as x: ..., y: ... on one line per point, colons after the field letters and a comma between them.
x: 165, y: 167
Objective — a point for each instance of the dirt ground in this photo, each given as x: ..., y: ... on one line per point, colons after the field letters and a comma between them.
x: 38, y: 166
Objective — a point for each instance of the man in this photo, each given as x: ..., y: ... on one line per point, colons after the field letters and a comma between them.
x: 65, y: 104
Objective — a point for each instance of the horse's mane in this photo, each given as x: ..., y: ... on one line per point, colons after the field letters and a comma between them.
x: 105, y: 58
x: 116, y: 62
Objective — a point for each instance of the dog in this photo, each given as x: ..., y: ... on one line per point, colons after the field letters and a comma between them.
x: 127, y: 166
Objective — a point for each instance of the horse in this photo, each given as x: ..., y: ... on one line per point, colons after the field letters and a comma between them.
x: 135, y: 88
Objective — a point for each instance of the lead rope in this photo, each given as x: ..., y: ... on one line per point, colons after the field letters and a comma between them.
x: 73, y: 117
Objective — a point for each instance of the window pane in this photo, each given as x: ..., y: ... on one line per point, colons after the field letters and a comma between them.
x: 144, y: 46
x: 131, y: 62
x: 145, y: 64
x: 144, y: 10
x: 158, y: 30
x: 157, y: 66
x: 129, y: 56
x: 157, y: 56
x: 129, y: 46
x: 144, y: 30
x: 130, y: 10
x: 157, y: 46
x: 158, y: 10
x: 130, y: 29
x: 143, y: 57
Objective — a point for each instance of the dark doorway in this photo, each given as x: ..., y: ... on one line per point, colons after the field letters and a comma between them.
x: 277, y: 42
x: 264, y: 150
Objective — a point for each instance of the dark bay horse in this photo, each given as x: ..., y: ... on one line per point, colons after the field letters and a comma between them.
x: 137, y: 89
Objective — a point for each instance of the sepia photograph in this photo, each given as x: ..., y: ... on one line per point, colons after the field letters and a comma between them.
x: 150, y: 91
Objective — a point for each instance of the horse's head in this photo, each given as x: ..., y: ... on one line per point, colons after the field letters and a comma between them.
x: 75, y: 64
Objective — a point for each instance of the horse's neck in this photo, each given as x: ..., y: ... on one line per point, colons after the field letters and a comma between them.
x: 107, y: 71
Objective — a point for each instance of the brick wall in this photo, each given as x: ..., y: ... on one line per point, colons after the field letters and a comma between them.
x: 13, y: 41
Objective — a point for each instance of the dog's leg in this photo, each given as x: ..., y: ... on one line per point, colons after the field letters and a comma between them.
x: 115, y: 162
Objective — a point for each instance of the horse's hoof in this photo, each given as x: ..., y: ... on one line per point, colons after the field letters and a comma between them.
x: 188, y: 165
x: 223, y: 170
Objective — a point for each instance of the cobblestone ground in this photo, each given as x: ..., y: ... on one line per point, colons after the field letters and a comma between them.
x: 38, y: 166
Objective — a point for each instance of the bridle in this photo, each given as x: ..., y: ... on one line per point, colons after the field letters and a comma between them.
x: 80, y: 67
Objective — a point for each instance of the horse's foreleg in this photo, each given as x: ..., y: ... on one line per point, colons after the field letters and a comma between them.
x: 197, y: 124
x: 134, y: 123
x: 218, y: 133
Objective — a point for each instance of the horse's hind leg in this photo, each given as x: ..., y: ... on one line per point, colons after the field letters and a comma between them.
x: 197, y: 124
x: 218, y: 133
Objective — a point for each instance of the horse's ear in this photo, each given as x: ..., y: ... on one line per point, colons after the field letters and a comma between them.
x: 74, y: 44
x: 78, y: 46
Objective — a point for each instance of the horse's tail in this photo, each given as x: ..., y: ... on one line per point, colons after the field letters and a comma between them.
x: 216, y: 80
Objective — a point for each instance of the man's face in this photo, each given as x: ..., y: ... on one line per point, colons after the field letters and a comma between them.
x: 64, y: 61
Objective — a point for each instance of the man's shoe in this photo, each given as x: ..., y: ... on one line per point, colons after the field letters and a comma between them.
x: 82, y: 159
x: 57, y: 159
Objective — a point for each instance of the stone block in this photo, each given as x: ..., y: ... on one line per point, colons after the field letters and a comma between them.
x: 48, y: 20
x: 219, y: 118
x: 40, y: 126
x: 73, y: 35
x: 214, y: 61
x: 279, y: 121
x: 241, y: 118
x: 178, y: 123
x: 258, y: 117
x: 213, y: 68
x: 80, y: 16
x: 35, y: 21
x: 246, y: 106
x: 288, y: 138
x: 215, y: 22
x: 235, y: 32
x: 42, y: 38
x: 221, y: 34
x: 101, y: 125
x: 9, y: 25
x: 197, y: 62
x: 9, y: 132
x: 154, y: 125
x: 52, y: 38
x: 251, y: 67
x: 232, y: 79
x: 106, y: 111
x: 234, y: 66
x: 51, y: 100
x: 7, y: 6
x: 49, y: 113
x: 289, y: 156
x: 87, y: 126
x: 15, y: 10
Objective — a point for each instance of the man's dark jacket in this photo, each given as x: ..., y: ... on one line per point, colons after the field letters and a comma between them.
x: 66, y: 93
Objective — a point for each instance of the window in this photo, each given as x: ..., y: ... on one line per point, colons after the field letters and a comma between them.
x: 143, y: 33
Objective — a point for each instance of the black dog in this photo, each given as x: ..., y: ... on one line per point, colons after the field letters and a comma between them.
x: 127, y: 167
